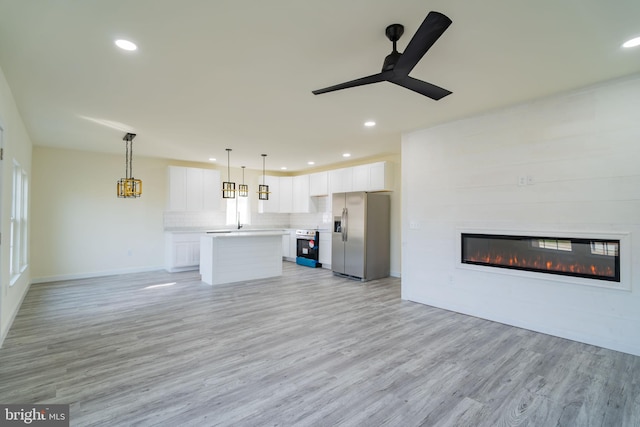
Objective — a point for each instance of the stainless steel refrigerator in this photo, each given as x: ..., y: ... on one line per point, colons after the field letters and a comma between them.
x: 361, y: 236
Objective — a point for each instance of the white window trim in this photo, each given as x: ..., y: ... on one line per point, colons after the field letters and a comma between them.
x: 18, y: 239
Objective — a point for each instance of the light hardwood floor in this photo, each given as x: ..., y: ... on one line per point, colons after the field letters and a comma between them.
x: 306, y: 349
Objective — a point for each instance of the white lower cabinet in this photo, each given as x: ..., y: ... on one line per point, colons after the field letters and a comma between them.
x: 181, y: 251
x: 289, y: 245
x: 293, y: 245
x: 285, y: 247
x: 324, y: 257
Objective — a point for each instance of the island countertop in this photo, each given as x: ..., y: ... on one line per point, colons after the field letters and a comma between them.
x: 244, y: 233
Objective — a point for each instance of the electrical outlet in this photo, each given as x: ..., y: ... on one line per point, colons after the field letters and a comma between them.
x: 414, y: 225
x: 522, y: 180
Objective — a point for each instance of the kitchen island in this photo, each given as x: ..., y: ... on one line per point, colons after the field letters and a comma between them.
x: 234, y: 256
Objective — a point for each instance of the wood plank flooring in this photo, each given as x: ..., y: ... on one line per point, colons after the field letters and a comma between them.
x: 305, y: 349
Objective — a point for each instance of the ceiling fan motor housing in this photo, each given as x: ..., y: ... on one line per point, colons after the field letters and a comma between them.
x: 390, y: 60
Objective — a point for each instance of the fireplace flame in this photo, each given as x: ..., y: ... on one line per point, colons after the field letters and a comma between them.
x: 538, y: 263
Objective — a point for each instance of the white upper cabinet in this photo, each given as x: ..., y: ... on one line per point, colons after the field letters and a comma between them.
x: 193, y: 189
x: 319, y: 184
x: 211, y: 190
x: 286, y: 194
x: 341, y: 180
x: 177, y: 198
x: 381, y: 176
x: 370, y: 177
x: 194, y: 192
x: 301, y: 199
x: 361, y: 178
x: 273, y: 204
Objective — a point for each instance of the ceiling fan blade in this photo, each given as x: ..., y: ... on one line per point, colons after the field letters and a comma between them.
x: 433, y: 26
x: 374, y: 78
x: 423, y: 88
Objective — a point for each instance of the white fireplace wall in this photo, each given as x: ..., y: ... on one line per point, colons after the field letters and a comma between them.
x: 567, y: 164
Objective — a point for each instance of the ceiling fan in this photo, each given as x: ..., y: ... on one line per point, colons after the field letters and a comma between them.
x: 397, y: 66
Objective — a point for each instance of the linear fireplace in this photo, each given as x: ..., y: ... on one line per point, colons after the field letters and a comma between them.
x: 578, y: 257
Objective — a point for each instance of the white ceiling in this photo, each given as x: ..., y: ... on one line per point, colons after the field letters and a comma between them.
x: 216, y: 74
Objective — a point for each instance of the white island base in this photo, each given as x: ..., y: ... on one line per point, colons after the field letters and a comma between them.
x: 240, y: 255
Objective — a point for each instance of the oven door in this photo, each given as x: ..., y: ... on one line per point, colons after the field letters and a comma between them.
x: 307, y: 248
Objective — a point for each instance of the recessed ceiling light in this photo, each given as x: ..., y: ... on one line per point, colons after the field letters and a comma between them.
x: 632, y: 43
x: 311, y: 163
x: 126, y: 44
x: 211, y: 159
x: 370, y: 123
x: 284, y: 168
x: 346, y: 155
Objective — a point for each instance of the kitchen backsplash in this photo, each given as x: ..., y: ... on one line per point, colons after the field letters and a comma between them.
x: 216, y: 219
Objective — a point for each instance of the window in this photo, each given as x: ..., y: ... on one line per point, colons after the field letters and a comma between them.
x: 18, y: 252
x: 238, y: 211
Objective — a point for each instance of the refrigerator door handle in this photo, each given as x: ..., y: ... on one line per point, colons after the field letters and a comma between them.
x: 345, y: 224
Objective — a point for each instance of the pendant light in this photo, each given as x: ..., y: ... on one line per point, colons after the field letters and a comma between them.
x: 129, y: 187
x: 263, y: 190
x: 228, y: 187
x: 243, y: 189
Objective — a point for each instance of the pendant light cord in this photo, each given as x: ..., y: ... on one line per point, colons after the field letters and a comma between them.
x: 130, y: 159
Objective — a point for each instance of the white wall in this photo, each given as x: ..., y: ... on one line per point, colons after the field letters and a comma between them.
x: 17, y: 145
x: 582, y: 153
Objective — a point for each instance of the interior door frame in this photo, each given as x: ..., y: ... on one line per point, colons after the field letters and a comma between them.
x: 3, y: 286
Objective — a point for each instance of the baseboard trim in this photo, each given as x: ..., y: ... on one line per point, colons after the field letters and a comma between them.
x: 3, y: 334
x: 90, y: 275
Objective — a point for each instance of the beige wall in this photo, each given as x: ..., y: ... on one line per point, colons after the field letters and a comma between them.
x: 80, y: 228
x: 17, y: 146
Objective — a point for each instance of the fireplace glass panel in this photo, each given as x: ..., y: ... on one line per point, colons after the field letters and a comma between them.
x: 589, y: 258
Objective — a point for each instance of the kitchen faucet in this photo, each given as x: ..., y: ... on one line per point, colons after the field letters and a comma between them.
x: 239, y: 225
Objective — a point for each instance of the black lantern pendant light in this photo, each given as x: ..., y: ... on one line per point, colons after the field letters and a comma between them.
x: 228, y: 187
x: 243, y: 189
x: 129, y: 187
x: 263, y: 190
